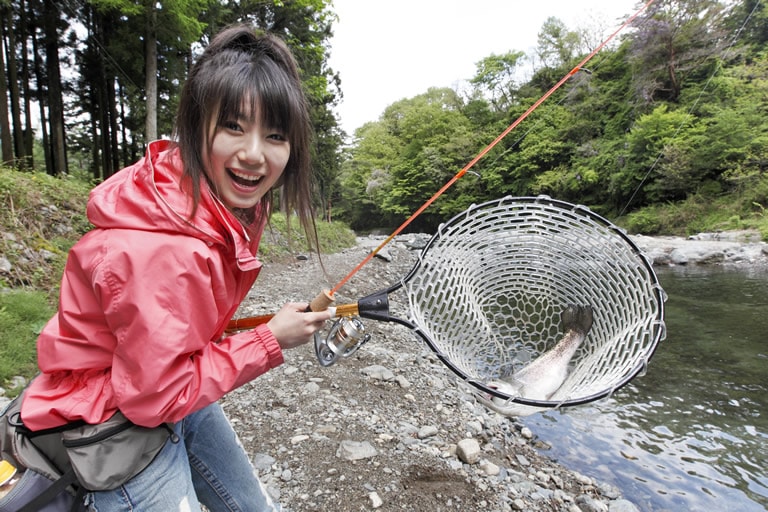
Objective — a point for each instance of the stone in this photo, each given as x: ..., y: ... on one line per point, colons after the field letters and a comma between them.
x: 427, y: 431
x: 355, y: 450
x: 378, y: 372
x: 376, y: 501
x: 468, y: 451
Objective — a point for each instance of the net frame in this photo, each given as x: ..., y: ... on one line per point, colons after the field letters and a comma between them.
x: 487, y: 291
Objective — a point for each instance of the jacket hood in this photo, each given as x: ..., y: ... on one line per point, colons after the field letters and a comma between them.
x: 148, y: 196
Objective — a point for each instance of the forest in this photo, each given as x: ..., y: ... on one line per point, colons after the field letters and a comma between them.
x: 665, y: 129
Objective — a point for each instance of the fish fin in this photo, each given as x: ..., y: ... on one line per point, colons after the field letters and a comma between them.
x: 576, y: 317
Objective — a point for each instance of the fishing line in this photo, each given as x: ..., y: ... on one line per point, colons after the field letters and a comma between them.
x: 485, y: 150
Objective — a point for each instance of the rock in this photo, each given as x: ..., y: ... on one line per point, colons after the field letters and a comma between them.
x: 427, y: 431
x: 402, y: 382
x: 354, y: 450
x: 262, y: 462
x: 621, y: 505
x: 378, y: 372
x: 468, y: 451
x: 489, y: 468
x: 704, y: 249
x: 376, y: 501
x: 384, y: 254
x: 590, y: 504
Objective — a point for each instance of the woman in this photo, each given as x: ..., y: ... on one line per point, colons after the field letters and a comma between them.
x: 147, y: 294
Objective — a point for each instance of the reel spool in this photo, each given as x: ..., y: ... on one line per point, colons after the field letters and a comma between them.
x: 346, y: 335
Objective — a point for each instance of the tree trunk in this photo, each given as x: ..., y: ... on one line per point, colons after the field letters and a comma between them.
x: 41, y: 99
x: 123, y: 132
x: 6, y: 141
x: 29, y: 133
x: 150, y: 51
x: 13, y: 90
x: 113, y: 127
x: 58, y: 144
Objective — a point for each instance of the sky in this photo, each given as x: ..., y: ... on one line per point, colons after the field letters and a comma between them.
x: 385, y: 51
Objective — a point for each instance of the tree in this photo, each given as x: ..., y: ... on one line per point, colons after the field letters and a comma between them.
x: 751, y: 18
x: 400, y: 161
x: 6, y: 140
x: 58, y: 142
x: 672, y: 40
x: 495, y: 76
x: 557, y: 46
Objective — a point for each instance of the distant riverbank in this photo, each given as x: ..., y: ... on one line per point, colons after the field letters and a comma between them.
x: 728, y: 247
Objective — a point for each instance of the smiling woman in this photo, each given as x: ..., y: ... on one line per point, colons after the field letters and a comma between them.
x: 146, y: 294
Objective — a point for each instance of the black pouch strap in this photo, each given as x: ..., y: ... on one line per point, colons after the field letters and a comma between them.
x: 15, y: 421
x: 59, y: 485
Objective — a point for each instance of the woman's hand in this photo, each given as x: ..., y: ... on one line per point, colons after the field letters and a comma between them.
x: 293, y: 325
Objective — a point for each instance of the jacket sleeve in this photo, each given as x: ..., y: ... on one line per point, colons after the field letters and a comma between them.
x: 166, y: 304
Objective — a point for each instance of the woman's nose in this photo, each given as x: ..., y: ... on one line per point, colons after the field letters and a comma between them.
x: 252, y: 151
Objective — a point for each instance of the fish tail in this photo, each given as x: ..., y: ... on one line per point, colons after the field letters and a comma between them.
x: 576, y: 317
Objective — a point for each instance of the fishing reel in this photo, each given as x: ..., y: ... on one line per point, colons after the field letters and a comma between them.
x: 346, y: 335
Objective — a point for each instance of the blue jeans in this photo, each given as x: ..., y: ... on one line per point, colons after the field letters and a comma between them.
x: 207, y: 465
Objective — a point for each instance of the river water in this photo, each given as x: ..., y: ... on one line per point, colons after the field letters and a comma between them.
x: 692, y: 433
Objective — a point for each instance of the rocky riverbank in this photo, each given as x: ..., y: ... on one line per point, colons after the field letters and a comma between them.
x: 729, y: 247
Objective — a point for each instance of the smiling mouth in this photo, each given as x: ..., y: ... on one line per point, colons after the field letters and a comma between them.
x: 244, y: 179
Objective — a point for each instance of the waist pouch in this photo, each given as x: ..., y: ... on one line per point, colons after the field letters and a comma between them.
x: 74, y: 458
x: 107, y: 455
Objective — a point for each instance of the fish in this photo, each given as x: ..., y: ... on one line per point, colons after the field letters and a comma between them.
x: 542, y: 377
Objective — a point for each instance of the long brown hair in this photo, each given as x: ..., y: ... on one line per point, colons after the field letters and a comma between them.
x: 242, y: 65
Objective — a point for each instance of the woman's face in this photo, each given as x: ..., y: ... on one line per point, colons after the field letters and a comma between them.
x: 245, y: 160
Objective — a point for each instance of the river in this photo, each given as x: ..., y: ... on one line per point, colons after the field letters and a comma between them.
x: 692, y: 433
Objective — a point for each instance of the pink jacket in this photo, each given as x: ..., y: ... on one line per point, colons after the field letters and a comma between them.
x: 145, y: 299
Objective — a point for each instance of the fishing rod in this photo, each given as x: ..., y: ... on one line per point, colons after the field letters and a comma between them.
x: 493, y: 286
x: 326, y: 297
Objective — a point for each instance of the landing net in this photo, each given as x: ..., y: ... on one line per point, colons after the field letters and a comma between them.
x: 491, y: 285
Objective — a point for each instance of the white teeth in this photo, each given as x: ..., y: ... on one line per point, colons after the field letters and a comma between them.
x: 248, y: 177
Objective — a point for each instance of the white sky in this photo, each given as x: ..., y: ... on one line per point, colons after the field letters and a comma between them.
x: 385, y: 51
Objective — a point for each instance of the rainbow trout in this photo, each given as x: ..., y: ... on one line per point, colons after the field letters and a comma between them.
x: 539, y: 379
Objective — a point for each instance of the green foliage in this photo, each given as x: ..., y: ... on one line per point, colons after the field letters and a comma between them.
x: 660, y: 128
x: 22, y: 316
x: 417, y: 146
x: 42, y: 217
x: 708, y: 210
x: 281, y: 241
x: 496, y: 76
x: 645, y: 221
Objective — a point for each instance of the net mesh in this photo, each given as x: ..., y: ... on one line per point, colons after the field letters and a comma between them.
x: 493, y: 281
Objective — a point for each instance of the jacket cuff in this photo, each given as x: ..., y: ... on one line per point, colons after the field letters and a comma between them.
x: 271, y: 346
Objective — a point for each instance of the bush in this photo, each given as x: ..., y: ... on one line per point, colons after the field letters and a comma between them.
x: 644, y: 222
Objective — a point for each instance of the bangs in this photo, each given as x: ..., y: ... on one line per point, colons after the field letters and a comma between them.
x: 247, y: 87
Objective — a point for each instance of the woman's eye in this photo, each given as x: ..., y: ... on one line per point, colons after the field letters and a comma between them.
x: 231, y: 125
x: 277, y: 136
